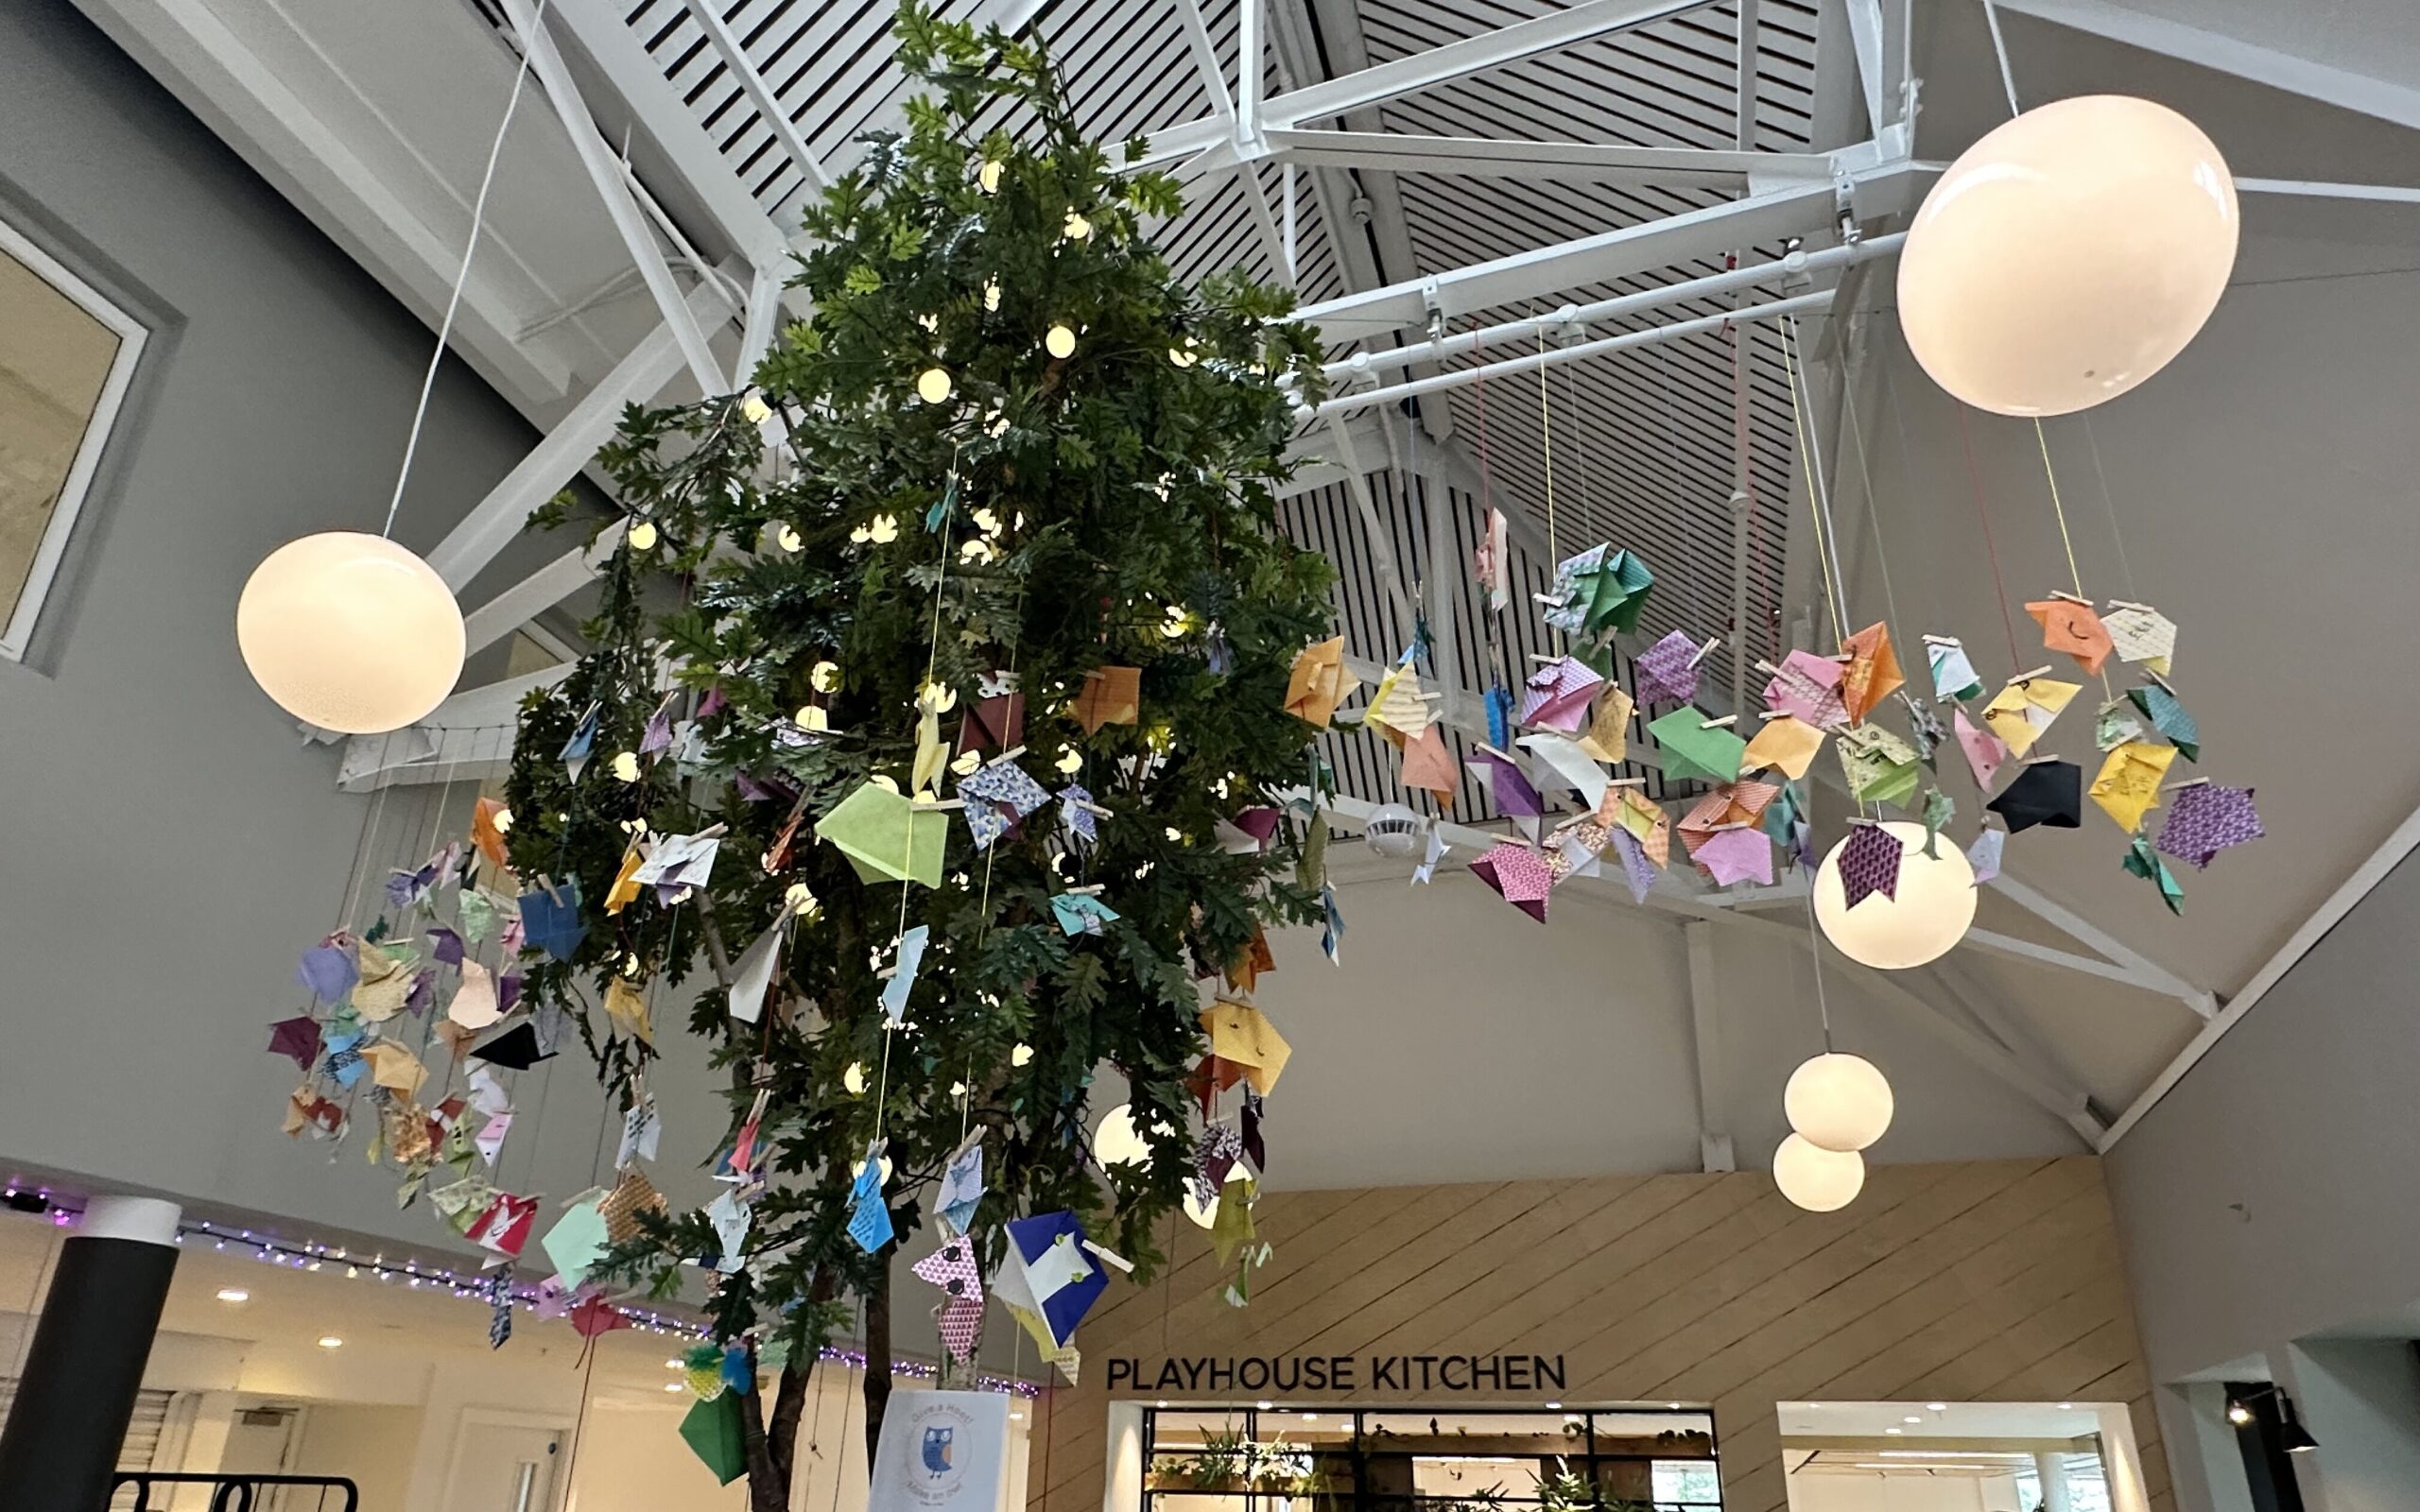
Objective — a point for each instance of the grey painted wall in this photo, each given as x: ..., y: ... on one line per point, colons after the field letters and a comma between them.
x: 166, y: 841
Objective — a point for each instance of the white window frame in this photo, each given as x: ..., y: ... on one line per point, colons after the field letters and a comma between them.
x: 18, y: 633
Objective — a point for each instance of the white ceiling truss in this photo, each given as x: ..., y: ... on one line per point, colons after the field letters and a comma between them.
x: 1556, y: 250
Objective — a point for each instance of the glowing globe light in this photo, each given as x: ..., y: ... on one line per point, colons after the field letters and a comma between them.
x: 350, y: 632
x: 1817, y: 1179
x: 1931, y: 910
x: 2069, y: 256
x: 1117, y: 1142
x: 1060, y: 341
x: 1840, y: 1103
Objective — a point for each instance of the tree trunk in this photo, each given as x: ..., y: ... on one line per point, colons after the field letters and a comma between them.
x: 789, y: 1405
x: 769, y: 1485
x: 877, y: 1357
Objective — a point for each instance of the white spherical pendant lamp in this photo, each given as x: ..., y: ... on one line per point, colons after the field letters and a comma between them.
x: 1117, y: 1140
x: 2069, y: 256
x: 1930, y: 909
x: 1815, y: 1179
x: 1840, y: 1103
x: 350, y: 632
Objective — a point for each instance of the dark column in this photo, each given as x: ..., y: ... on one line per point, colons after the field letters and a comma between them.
x: 86, y: 1365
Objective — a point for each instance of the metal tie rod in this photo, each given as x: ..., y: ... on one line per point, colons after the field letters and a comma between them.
x: 1713, y: 283
x: 1347, y: 403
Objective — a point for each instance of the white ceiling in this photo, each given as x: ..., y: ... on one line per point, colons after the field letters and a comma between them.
x: 2259, y: 486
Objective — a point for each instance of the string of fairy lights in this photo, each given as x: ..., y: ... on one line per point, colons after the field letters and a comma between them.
x: 348, y: 1262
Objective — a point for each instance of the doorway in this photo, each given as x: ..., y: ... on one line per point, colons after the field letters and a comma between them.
x: 505, y: 1462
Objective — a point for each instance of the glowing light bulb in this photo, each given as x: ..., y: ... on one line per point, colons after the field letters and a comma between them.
x: 933, y: 384
x: 642, y: 536
x: 1060, y: 341
x: 789, y: 538
x: 854, y: 1079
x: 987, y: 178
x: 1022, y: 1055
x: 625, y: 767
x: 350, y: 632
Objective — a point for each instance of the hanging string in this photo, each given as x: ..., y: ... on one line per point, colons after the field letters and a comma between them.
x: 2066, y: 540
x: 2109, y: 501
x: 1991, y: 547
x: 454, y: 301
x: 2000, y: 50
x: 1546, y: 435
x: 1814, y: 486
x: 1873, y: 519
x: 1822, y: 1005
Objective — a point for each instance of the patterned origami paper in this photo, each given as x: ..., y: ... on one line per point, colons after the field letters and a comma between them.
x: 2141, y: 634
x: 1215, y: 1153
x: 1399, y: 711
x: 642, y: 1133
x: 2116, y: 725
x: 1644, y: 820
x: 1924, y: 727
x: 658, y: 735
x: 1667, y: 672
x: 677, y: 864
x: 1319, y: 682
x: 1050, y: 1275
x: 1808, y: 686
x: 1509, y: 788
x: 1490, y: 561
x: 394, y: 1067
x: 1873, y: 672
x: 1560, y: 762
x: 1786, y: 825
x: 1597, y: 590
x: 1786, y: 742
x: 2160, y: 706
x: 2020, y: 713
x: 1730, y: 804
x: 1519, y: 874
x: 487, y: 831
x: 1879, y: 767
x: 1953, y: 671
x: 1736, y: 855
x: 1331, y: 925
x: 995, y: 723
x: 297, y: 1039
x: 1557, y: 694
x: 869, y: 1216
x: 1083, y: 823
x: 732, y: 1219
x: 1608, y: 737
x: 2204, y: 818
x: 903, y: 975
x: 633, y: 1195
x: 327, y: 970
x: 1249, y: 832
x: 1111, y: 696
x: 999, y: 795
x: 2046, y: 792
x: 2128, y: 785
x: 1081, y: 913
x: 1428, y: 765
x: 1939, y: 810
x: 1577, y: 848
x: 2141, y: 862
x: 1500, y: 710
x: 626, y: 1004
x: 1870, y: 864
x: 961, y: 1189
x: 1985, y: 751
x: 886, y: 837
x: 953, y: 1270
x: 575, y: 750
x: 1984, y: 854
x: 924, y: 771
x: 1694, y: 745
x: 1252, y: 961
x: 2072, y: 627
x: 1241, y: 1034
x: 503, y: 1226
x: 1637, y: 870
x: 386, y: 981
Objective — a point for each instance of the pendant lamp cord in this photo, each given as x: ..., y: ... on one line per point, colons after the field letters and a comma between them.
x: 2000, y: 50
x: 454, y: 301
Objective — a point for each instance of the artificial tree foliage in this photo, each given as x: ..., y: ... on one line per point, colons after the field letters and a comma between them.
x: 1051, y: 515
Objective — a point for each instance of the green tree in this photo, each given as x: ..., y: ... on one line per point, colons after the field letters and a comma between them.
x: 1059, y: 510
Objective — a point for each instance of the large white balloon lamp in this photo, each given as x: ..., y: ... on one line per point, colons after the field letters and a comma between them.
x: 1815, y: 1179
x: 1932, y: 908
x: 2069, y: 256
x: 1837, y: 1101
x: 350, y: 632
x: 1117, y: 1140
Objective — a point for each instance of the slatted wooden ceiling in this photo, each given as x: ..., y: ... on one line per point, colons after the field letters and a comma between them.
x: 1643, y: 444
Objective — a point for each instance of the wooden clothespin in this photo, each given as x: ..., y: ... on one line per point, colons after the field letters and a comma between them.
x: 2036, y: 761
x: 1705, y: 650
x: 2028, y: 677
x: 2072, y: 598
x: 1943, y: 639
x: 1627, y: 781
x: 1009, y: 755
x: 1857, y: 822
x: 1724, y: 722
x: 1090, y: 807
x: 2128, y: 603
x: 1541, y: 656
x: 2162, y: 681
x: 1092, y: 889
x: 1500, y: 755
x: 928, y: 804
x: 1768, y: 668
x: 2191, y: 781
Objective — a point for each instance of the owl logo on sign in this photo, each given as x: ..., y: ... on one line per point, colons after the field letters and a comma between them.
x: 937, y: 1442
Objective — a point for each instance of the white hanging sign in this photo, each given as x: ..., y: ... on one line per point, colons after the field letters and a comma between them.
x: 942, y: 1448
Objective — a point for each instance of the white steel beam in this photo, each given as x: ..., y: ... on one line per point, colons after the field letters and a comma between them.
x: 468, y: 737
x: 1714, y: 1120
x: 639, y: 82
x: 540, y: 590
x: 496, y: 520
x: 2347, y: 895
x: 1500, y: 48
x: 1346, y: 404
x: 768, y: 105
x: 2002, y: 1025
x: 605, y: 173
x: 2147, y: 972
x: 1593, y: 162
x: 2250, y: 62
